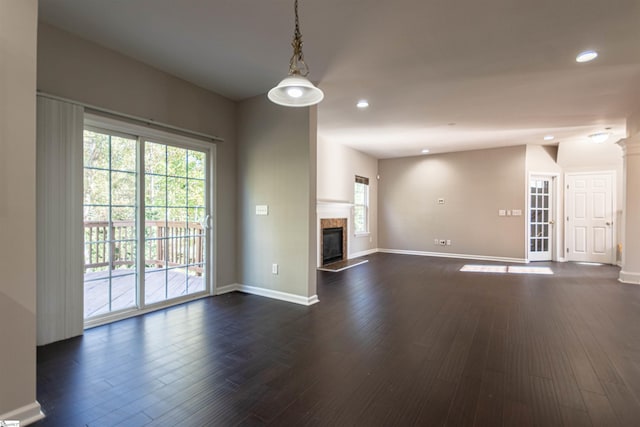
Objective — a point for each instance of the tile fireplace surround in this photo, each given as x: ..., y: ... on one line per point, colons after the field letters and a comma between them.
x: 334, y: 223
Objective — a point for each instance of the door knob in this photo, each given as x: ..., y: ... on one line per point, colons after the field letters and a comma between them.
x: 608, y: 223
x: 552, y: 222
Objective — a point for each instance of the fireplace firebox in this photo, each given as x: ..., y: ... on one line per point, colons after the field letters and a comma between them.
x: 332, y: 245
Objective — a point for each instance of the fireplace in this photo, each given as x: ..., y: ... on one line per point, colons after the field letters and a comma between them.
x: 333, y: 240
x: 332, y: 245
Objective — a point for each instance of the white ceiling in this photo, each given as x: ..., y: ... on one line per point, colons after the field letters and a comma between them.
x: 446, y: 75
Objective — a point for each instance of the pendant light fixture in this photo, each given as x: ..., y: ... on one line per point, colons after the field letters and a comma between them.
x: 296, y: 90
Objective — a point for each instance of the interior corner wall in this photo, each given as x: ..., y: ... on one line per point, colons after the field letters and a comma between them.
x: 18, y: 20
x: 633, y: 123
x: 79, y: 70
x: 337, y: 167
x: 474, y: 185
x: 276, y: 167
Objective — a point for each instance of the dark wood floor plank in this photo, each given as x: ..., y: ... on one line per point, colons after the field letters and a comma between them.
x: 600, y: 361
x: 623, y: 402
x: 490, y: 406
x: 435, y: 410
x: 564, y: 381
x: 599, y: 409
x: 517, y: 414
x: 497, y: 351
x: 401, y: 340
x: 478, y: 352
x: 544, y: 402
x: 456, y: 358
x: 575, y: 418
x: 463, y: 408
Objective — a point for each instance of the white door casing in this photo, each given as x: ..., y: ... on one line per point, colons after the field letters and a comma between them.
x: 589, y: 207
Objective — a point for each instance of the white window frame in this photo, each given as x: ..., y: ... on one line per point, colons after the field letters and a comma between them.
x: 360, y: 180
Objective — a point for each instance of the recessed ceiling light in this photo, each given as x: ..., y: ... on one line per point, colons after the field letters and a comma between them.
x: 363, y: 103
x: 425, y: 151
x: 586, y: 56
x: 548, y: 137
x: 599, y: 137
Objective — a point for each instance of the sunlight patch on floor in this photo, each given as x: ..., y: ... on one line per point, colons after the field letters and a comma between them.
x: 515, y: 269
x: 484, y: 268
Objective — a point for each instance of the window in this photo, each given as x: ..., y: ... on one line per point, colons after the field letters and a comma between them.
x: 361, y: 205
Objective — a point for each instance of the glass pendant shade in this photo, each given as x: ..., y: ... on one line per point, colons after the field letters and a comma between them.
x: 295, y: 91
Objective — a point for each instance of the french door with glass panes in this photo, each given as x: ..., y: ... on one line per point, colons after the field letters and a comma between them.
x: 541, y: 218
x: 146, y: 222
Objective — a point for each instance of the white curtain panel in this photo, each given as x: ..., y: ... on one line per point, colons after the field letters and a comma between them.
x: 59, y: 177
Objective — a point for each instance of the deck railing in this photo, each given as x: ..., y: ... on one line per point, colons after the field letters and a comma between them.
x: 167, y: 244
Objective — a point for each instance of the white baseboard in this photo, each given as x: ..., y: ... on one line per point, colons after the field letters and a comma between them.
x: 461, y: 256
x: 628, y: 277
x: 562, y: 259
x: 226, y: 289
x: 363, y: 253
x: 269, y: 293
x: 28, y: 414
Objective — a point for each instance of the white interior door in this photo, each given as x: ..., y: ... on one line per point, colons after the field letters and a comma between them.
x: 589, y: 222
x: 541, y: 218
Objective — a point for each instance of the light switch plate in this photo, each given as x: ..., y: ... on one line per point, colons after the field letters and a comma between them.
x: 516, y: 212
x: 262, y: 209
x: 502, y: 212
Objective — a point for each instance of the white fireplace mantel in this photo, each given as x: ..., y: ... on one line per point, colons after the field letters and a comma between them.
x: 327, y: 209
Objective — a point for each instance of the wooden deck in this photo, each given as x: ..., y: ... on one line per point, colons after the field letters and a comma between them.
x: 96, y: 289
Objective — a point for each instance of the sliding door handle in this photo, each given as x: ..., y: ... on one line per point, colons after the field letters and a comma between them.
x: 206, y: 222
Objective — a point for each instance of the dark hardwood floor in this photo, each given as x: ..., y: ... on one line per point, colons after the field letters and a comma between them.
x: 401, y: 340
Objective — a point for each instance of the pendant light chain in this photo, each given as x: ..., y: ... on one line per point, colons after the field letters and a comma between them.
x: 297, y: 66
x: 296, y: 90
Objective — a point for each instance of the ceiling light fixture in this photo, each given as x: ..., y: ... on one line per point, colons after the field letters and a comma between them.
x: 425, y: 151
x: 599, y: 137
x: 586, y: 56
x: 363, y: 103
x: 296, y: 90
x: 549, y: 138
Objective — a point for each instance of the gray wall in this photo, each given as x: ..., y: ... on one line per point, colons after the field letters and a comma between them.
x: 79, y: 70
x: 18, y: 20
x: 276, y: 167
x: 474, y: 185
x: 337, y: 167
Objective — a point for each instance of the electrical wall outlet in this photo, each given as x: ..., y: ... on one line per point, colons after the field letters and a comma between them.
x: 274, y: 268
x: 443, y: 242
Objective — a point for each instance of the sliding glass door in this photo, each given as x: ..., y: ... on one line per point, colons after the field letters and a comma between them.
x: 143, y: 193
